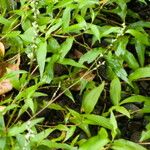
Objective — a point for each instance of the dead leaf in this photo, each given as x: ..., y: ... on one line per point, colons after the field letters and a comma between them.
x: 2, y: 49
x: 88, y: 76
x: 6, y: 85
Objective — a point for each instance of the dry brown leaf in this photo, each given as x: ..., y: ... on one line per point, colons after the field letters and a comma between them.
x: 6, y: 85
x: 2, y: 49
x: 88, y: 76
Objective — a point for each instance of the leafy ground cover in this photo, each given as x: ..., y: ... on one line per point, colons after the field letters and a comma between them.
x: 74, y: 74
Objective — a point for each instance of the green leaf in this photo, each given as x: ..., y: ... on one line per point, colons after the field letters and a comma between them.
x: 90, y: 98
x: 4, y: 21
x: 54, y: 106
x: 113, y: 121
x: 95, y: 31
x: 54, y: 145
x: 53, y: 45
x: 115, y: 91
x: 42, y: 135
x: 12, y: 34
x: 122, y: 144
x: 41, y: 56
x: 70, y: 133
x: 49, y: 69
x: 96, y: 142
x: 146, y: 108
x: 69, y: 94
x: 121, y: 46
x: 140, y: 50
x: 121, y: 109
x: 130, y: 59
x: 97, y: 120
x: 134, y: 99
x: 30, y: 104
x: 63, y: 3
x: 141, y: 37
x: 21, y: 140
x: 71, y: 62
x: 145, y: 136
x: 28, y: 33
x: 77, y: 119
x: 91, y: 55
x: 2, y: 143
x: 66, y: 18
x: 117, y: 68
x: 107, y: 30
x: 140, y: 73
x: 65, y: 47
x: 54, y: 27
x: 21, y: 128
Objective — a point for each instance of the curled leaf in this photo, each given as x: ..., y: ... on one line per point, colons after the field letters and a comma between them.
x: 2, y: 49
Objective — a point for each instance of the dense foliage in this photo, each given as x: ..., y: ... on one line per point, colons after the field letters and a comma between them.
x: 74, y: 74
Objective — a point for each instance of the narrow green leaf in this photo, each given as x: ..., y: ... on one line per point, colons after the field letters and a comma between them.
x: 115, y: 91
x: 21, y: 128
x: 3, y: 143
x: 41, y: 56
x: 117, y: 68
x: 140, y: 50
x: 145, y: 136
x: 28, y: 33
x: 122, y: 110
x: 140, y: 73
x: 113, y: 121
x: 42, y: 135
x: 130, y: 59
x: 77, y: 119
x: 63, y: 3
x: 66, y: 18
x: 49, y: 69
x: 143, y: 38
x: 121, y: 46
x: 90, y: 98
x: 96, y: 142
x: 66, y: 46
x: 134, y: 99
x: 71, y: 62
x: 70, y: 133
x: 54, y: 27
x: 95, y: 31
x: 12, y: 34
x: 91, y: 55
x: 122, y: 144
x: 97, y: 120
x: 54, y: 106
x: 54, y: 145
x: 69, y: 94
x: 52, y: 45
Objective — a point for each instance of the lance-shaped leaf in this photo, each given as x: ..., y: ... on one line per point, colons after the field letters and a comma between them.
x: 90, y: 98
x: 115, y: 91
